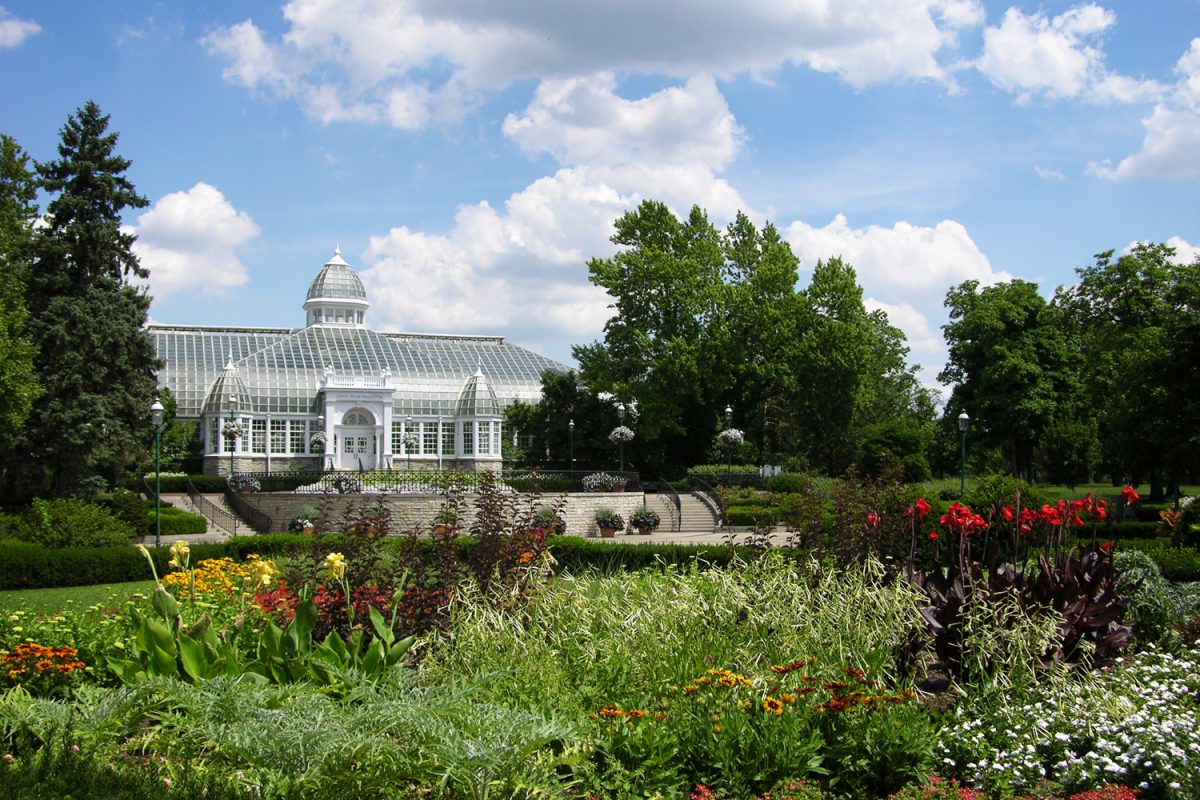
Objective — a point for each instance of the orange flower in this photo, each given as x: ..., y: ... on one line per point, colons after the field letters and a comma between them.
x: 773, y: 705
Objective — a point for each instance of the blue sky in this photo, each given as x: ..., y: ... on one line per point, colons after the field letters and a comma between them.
x: 469, y: 157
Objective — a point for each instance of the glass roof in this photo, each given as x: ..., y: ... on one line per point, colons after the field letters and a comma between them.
x: 281, y: 369
x: 336, y: 280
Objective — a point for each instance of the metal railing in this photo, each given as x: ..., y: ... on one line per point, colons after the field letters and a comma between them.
x: 213, y: 512
x: 253, y: 517
x: 151, y: 495
x: 434, y: 481
x: 673, y: 504
x: 711, y: 497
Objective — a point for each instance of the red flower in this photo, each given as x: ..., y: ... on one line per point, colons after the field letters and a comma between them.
x: 1130, y: 494
x: 1106, y: 545
x: 873, y: 519
x: 933, y: 535
x: 1007, y: 513
x: 1050, y: 515
x: 922, y: 508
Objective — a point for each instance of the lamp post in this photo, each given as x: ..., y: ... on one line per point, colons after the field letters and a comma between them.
x: 728, y: 446
x: 233, y: 404
x: 156, y: 419
x: 408, y: 443
x: 571, y: 433
x: 963, y: 422
x: 324, y: 444
x: 621, y: 444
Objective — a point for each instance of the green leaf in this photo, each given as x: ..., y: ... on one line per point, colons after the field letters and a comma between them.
x: 196, y: 662
x: 165, y: 604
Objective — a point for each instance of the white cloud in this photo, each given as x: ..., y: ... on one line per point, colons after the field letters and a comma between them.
x: 1049, y: 173
x: 1058, y: 57
x: 907, y: 268
x: 519, y: 270
x: 905, y: 261
x: 1185, y: 252
x: 1171, y: 147
x: 14, y: 31
x: 410, y: 62
x: 582, y: 121
x: 923, y: 339
x: 188, y: 241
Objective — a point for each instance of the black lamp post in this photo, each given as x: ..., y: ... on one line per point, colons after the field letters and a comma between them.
x: 621, y: 444
x: 233, y: 404
x: 728, y: 445
x: 156, y: 419
x: 571, y: 432
x: 408, y: 439
x: 963, y: 423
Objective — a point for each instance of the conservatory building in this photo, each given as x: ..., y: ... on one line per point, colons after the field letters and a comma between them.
x: 337, y: 395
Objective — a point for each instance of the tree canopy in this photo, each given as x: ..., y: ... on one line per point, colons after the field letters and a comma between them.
x: 707, y: 319
x: 95, y: 362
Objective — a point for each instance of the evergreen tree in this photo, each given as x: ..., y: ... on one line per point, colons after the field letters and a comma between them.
x: 18, y: 381
x: 95, y: 359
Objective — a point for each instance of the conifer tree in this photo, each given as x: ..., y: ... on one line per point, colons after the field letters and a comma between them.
x: 18, y: 382
x: 95, y: 359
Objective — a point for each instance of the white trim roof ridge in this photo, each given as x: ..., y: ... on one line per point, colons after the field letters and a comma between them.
x: 477, y: 337
x: 218, y: 328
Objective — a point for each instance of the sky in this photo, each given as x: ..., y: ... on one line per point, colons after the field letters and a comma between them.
x: 468, y: 157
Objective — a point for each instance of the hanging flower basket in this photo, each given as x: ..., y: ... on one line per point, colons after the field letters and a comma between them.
x: 317, y: 439
x: 731, y: 436
x: 233, y: 430
x: 620, y: 435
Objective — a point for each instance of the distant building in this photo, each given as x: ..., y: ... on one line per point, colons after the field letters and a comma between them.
x: 337, y: 394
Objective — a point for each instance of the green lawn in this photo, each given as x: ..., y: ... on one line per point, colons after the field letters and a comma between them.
x: 45, y: 601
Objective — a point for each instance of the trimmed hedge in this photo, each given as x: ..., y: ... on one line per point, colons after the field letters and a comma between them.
x: 177, y: 522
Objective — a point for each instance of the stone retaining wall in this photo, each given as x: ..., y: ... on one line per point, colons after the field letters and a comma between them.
x: 411, y: 510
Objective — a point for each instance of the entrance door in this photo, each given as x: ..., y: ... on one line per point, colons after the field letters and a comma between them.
x: 356, y: 441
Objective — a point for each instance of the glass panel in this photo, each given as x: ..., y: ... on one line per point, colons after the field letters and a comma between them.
x: 429, y: 438
x: 258, y: 436
x: 468, y: 439
x: 296, y: 428
x: 485, y: 438
x: 279, y: 436
x: 397, y: 437
x: 447, y: 439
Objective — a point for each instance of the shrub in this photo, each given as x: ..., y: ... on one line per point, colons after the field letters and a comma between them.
x: 74, y: 523
x: 786, y: 482
x: 176, y: 522
x: 998, y: 490
x: 129, y: 507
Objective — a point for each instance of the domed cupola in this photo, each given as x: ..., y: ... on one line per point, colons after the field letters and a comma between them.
x: 477, y: 399
x: 336, y: 296
x: 228, y: 395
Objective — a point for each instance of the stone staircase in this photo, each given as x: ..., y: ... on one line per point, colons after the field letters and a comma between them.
x: 695, y: 516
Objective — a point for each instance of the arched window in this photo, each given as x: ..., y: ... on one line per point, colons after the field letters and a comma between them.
x: 359, y: 417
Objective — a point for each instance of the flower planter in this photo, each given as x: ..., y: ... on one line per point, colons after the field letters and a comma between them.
x: 645, y: 531
x: 608, y: 533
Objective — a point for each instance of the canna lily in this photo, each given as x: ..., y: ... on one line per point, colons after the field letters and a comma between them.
x: 1130, y: 495
x: 334, y: 566
x: 180, y: 555
x: 922, y: 507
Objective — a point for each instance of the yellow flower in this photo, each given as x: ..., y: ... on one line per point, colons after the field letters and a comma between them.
x: 334, y: 566
x: 773, y: 705
x: 180, y: 554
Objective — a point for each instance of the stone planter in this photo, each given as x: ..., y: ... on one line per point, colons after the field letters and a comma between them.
x: 608, y: 533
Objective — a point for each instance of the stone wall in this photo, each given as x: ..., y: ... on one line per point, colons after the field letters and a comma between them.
x: 420, y: 510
